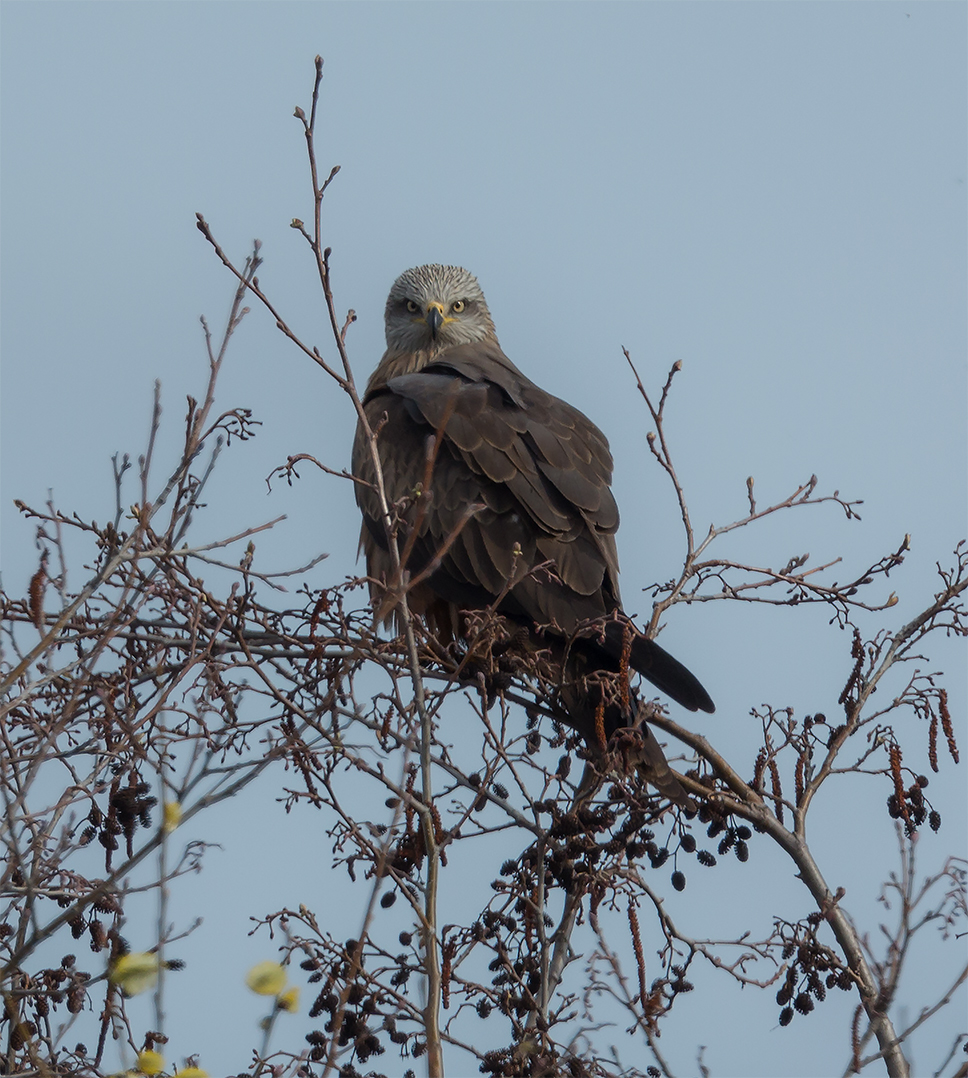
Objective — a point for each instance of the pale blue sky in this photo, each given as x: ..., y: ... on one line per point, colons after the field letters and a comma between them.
x: 773, y: 193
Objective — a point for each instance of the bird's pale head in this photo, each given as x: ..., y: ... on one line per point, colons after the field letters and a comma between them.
x: 431, y: 308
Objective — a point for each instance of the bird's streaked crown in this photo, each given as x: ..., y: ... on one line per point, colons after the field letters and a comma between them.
x: 461, y: 314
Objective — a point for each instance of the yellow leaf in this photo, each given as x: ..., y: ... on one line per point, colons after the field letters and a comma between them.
x: 266, y: 978
x: 173, y: 815
x: 134, y: 973
x: 150, y: 1062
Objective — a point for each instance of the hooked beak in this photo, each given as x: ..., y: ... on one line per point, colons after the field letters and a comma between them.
x: 435, y: 319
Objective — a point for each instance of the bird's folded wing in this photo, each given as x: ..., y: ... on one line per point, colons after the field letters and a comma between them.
x: 539, y: 468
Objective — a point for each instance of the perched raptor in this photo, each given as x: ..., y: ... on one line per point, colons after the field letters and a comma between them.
x: 509, y: 505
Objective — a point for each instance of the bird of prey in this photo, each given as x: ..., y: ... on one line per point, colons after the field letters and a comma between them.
x: 509, y: 507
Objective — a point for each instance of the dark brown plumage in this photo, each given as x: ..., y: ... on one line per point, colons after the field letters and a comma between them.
x: 520, y: 479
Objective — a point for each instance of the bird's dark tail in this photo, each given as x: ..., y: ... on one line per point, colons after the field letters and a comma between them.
x: 655, y: 664
x: 600, y: 713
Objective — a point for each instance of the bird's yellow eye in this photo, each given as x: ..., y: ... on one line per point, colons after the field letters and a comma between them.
x: 458, y: 306
x: 412, y: 307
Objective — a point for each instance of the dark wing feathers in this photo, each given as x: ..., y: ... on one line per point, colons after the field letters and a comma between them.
x: 578, y: 562
x: 574, y: 487
x: 506, y: 446
x: 540, y: 470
